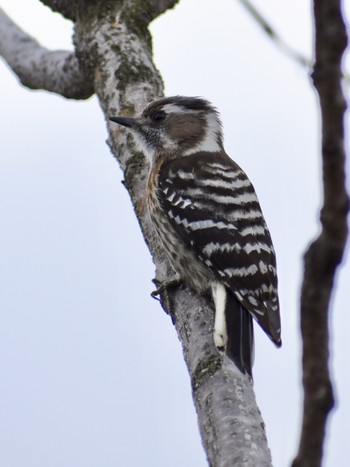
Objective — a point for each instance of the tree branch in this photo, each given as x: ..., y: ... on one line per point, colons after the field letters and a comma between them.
x: 275, y: 37
x: 325, y: 254
x: 158, y: 7
x: 146, y: 11
x: 119, y: 55
x: 67, y: 8
x: 279, y: 42
x: 38, y: 68
x: 115, y: 49
x: 231, y: 426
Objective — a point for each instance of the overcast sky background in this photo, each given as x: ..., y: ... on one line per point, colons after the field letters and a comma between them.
x: 91, y: 371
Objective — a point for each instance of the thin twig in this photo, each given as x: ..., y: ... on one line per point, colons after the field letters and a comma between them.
x: 271, y: 32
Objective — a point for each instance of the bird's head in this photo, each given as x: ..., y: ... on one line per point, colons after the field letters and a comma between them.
x: 176, y: 126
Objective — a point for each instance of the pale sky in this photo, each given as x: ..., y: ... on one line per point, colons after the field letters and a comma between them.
x: 91, y: 370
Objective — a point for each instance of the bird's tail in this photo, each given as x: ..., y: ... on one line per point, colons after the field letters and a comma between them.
x: 240, y: 334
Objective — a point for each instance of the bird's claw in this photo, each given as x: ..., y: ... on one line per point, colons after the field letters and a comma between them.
x: 164, y: 286
x: 162, y: 294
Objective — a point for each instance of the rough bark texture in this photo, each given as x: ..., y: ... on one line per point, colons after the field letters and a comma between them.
x: 231, y: 426
x: 38, y: 68
x: 325, y: 253
x: 114, y: 49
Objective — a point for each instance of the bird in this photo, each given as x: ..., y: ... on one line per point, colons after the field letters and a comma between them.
x: 207, y: 217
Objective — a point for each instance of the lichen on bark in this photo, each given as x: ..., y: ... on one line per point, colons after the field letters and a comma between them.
x: 114, y: 49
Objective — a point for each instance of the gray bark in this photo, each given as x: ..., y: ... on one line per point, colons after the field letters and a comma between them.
x: 38, y: 68
x: 114, y: 48
x: 231, y: 425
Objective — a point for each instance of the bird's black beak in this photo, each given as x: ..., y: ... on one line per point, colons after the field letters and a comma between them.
x: 124, y: 121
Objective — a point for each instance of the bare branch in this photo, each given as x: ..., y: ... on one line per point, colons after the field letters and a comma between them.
x: 119, y: 55
x: 38, y: 68
x: 114, y: 45
x: 67, y: 8
x: 145, y: 12
x: 325, y: 254
x: 157, y: 7
x: 231, y: 426
x: 275, y: 37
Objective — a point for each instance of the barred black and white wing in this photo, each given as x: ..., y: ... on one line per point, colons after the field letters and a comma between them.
x: 212, y: 206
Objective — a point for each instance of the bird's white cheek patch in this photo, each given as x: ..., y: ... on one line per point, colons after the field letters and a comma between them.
x: 142, y: 146
x: 220, y: 330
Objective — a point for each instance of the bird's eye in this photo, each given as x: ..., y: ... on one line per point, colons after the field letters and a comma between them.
x: 158, y: 116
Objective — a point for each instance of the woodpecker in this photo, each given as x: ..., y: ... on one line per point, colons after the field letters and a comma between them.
x: 209, y: 221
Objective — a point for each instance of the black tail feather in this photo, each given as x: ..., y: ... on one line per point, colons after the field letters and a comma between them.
x: 240, y: 334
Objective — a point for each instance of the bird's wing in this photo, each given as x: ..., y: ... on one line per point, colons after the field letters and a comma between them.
x: 211, y: 204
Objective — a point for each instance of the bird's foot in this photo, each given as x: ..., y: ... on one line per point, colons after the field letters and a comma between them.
x: 162, y: 293
x: 164, y: 286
